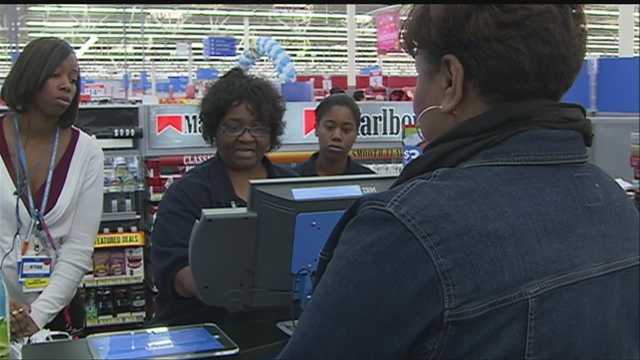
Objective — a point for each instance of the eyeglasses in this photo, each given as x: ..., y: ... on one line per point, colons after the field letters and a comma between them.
x: 235, y: 130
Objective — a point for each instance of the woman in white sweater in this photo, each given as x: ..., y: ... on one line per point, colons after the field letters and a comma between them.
x: 51, y: 181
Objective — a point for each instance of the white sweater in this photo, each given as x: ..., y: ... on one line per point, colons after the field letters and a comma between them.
x: 73, y: 223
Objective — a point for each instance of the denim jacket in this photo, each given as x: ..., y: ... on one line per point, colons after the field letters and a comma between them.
x: 523, y: 251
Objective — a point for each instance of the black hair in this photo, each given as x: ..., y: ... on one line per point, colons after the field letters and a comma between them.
x: 338, y: 100
x: 509, y: 52
x: 336, y: 90
x: 37, y: 63
x: 234, y: 88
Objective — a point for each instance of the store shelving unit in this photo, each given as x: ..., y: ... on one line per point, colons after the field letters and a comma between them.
x: 114, y: 293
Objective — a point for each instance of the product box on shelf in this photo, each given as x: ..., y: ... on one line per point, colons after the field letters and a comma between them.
x: 114, y: 305
x: 116, y: 266
x: 90, y: 309
x: 134, y: 261
x: 120, y: 207
x: 101, y: 259
x: 122, y: 173
x: 116, y: 262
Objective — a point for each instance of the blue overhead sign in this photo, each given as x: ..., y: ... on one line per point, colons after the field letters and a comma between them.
x: 144, y: 80
x: 178, y: 83
x: 162, y: 86
x: 206, y: 74
x: 219, y: 46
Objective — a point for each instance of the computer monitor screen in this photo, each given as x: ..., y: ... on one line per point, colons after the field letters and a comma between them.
x: 251, y: 257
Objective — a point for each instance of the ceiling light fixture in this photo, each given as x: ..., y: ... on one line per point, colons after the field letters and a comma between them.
x: 92, y: 40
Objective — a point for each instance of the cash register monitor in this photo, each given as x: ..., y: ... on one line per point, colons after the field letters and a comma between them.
x: 244, y: 258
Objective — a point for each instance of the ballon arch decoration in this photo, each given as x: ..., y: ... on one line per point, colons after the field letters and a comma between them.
x: 267, y: 46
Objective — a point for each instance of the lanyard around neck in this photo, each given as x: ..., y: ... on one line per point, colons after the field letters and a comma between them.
x: 23, y: 175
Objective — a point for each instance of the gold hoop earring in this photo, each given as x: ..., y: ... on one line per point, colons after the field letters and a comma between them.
x: 426, y: 110
x: 419, y: 117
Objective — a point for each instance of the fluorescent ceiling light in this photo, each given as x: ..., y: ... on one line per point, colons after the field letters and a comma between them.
x: 194, y: 11
x: 602, y: 26
x: 208, y: 27
x: 135, y: 37
x: 602, y: 12
x: 293, y: 6
x: 92, y: 40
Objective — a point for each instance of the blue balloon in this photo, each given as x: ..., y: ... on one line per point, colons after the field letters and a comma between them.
x: 288, y: 67
x: 260, y: 43
x: 246, y: 60
x: 275, y: 51
x: 267, y: 46
x: 280, y: 57
x: 282, y: 63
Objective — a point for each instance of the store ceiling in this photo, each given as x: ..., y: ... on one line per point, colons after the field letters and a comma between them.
x: 136, y: 37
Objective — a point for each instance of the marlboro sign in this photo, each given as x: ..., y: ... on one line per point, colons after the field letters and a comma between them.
x: 178, y: 127
x: 385, y: 122
x: 184, y: 124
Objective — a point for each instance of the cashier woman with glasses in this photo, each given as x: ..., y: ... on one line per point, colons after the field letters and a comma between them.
x: 242, y: 117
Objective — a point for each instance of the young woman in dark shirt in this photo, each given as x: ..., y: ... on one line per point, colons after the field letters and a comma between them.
x: 337, y: 122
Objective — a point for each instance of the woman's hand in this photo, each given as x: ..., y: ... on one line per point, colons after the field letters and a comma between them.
x: 184, y: 283
x: 22, y: 325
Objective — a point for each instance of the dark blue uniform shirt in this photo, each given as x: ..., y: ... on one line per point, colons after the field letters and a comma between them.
x: 206, y: 186
x: 308, y: 168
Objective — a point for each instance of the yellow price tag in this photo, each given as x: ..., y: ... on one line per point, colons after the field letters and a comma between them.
x: 36, y: 283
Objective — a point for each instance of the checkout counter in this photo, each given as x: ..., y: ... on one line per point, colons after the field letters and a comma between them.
x: 261, y: 264
x: 79, y: 350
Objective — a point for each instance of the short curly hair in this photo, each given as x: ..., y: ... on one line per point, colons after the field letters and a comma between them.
x: 234, y: 88
x: 509, y: 52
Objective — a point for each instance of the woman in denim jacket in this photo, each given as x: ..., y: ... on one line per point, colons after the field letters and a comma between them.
x: 501, y: 240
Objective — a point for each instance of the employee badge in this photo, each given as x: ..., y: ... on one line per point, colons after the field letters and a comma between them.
x: 34, y: 272
x: 35, y: 266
